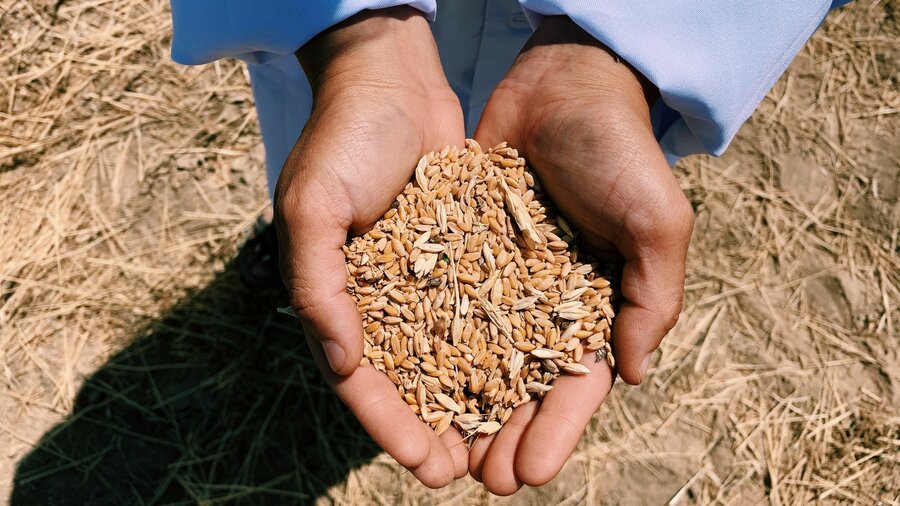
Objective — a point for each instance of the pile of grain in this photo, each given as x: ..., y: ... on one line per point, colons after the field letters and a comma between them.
x: 471, y: 292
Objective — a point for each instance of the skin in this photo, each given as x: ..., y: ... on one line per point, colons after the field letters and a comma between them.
x: 582, y: 120
x: 380, y: 101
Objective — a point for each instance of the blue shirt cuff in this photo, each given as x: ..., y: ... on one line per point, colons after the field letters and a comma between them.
x: 713, y: 62
x: 206, y: 30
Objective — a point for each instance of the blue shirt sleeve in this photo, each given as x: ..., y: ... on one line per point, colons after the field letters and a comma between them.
x: 258, y: 30
x: 713, y: 61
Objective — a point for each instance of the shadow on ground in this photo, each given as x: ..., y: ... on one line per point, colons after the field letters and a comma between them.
x: 218, y: 402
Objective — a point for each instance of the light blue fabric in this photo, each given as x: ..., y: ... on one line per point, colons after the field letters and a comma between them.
x: 283, y: 103
x: 712, y: 60
x: 258, y: 30
x: 477, y: 40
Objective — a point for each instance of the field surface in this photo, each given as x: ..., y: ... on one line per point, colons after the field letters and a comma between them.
x: 135, y: 369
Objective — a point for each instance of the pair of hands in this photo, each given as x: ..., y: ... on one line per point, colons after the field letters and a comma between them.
x: 381, y: 100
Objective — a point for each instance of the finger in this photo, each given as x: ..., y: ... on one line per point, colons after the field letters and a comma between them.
x: 310, y: 238
x: 455, y: 444
x: 477, y: 455
x: 559, y: 423
x: 652, y: 237
x: 641, y: 324
x: 499, y: 474
x: 383, y: 414
x: 438, y: 469
x: 652, y: 281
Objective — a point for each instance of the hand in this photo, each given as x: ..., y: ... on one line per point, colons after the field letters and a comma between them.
x: 581, y: 118
x: 380, y: 101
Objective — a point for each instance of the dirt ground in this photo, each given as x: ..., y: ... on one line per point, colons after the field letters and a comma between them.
x: 135, y: 369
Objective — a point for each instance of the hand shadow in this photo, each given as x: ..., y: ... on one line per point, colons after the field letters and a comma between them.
x: 219, y: 401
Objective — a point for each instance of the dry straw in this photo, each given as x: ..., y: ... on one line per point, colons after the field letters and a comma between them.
x: 471, y: 291
x: 761, y: 394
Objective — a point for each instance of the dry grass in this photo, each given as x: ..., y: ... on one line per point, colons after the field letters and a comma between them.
x: 134, y: 368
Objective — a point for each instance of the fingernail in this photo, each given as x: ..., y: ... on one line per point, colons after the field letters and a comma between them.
x: 335, y: 355
x: 644, y: 366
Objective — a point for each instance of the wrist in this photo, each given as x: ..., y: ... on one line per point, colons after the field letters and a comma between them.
x: 561, y: 51
x: 385, y: 49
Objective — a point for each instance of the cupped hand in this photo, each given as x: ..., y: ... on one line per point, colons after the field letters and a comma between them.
x: 380, y: 101
x: 581, y: 118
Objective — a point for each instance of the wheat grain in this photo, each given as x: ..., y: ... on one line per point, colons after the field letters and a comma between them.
x: 472, y: 296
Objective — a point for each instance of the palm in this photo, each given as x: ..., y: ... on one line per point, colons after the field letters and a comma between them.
x: 355, y: 155
x: 588, y: 161
x: 596, y: 156
x: 366, y: 146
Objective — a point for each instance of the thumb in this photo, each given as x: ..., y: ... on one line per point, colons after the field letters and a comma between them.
x: 310, y: 237
x: 652, y: 280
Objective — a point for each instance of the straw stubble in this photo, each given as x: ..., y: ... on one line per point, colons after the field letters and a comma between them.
x: 472, y: 292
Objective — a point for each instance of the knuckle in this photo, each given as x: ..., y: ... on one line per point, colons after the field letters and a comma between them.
x: 672, y: 313
x: 286, y: 206
x: 670, y: 219
x: 297, y: 295
x: 372, y: 407
x: 303, y: 298
x: 313, y: 305
x: 564, y: 421
x: 682, y: 216
x: 668, y: 311
x: 676, y: 220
